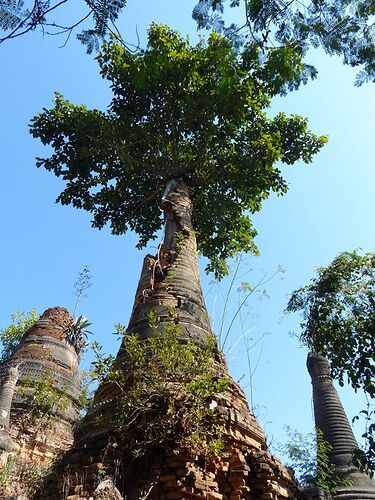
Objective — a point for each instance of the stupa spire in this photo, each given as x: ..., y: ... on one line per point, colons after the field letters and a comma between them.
x: 331, y: 419
x: 171, y: 278
x: 43, y: 354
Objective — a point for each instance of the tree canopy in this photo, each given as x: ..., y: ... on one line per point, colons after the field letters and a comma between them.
x: 344, y: 28
x: 285, y: 29
x: 197, y: 113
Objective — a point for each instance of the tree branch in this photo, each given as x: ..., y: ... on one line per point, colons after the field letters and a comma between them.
x: 33, y: 23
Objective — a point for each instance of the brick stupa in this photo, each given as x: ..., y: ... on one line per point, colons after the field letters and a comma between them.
x: 244, y: 471
x: 43, y: 353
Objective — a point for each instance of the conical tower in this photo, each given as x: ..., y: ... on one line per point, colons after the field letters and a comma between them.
x: 244, y: 470
x: 331, y: 419
x: 43, y: 361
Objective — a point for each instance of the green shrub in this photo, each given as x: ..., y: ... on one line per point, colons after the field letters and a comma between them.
x: 11, y: 336
x: 168, y: 389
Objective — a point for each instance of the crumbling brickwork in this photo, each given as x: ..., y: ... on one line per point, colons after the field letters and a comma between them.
x: 244, y: 470
x: 35, y: 435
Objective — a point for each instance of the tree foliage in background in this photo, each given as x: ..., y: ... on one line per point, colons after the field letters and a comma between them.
x: 300, y: 452
x: 18, y: 17
x: 11, y: 336
x: 282, y: 31
x: 286, y: 29
x: 196, y: 113
x: 338, y: 309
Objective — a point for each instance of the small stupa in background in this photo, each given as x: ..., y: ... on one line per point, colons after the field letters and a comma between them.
x: 45, y: 358
x: 331, y: 419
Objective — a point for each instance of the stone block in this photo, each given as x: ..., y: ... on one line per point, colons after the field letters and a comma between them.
x: 174, y: 495
x: 211, y: 495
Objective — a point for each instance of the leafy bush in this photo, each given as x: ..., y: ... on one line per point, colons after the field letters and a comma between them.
x: 168, y: 389
x: 20, y: 478
x: 43, y: 399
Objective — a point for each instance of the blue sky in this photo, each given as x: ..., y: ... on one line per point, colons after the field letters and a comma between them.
x: 329, y: 208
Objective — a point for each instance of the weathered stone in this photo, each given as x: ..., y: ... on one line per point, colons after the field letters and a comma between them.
x: 106, y: 490
x: 8, y: 382
x: 315, y: 493
x: 236, y: 474
x: 32, y: 441
x: 331, y: 419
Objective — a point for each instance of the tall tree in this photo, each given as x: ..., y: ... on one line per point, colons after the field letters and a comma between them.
x: 179, y: 112
x: 341, y: 27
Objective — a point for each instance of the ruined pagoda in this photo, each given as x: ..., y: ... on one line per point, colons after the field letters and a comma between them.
x: 43, y: 354
x: 244, y: 470
x: 182, y: 118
